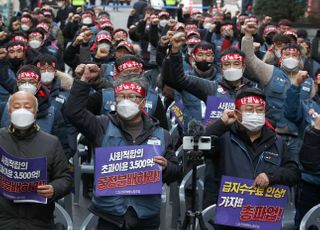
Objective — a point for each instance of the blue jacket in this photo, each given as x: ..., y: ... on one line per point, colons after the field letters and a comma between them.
x: 100, y: 130
x: 238, y: 157
x: 299, y: 111
x: 276, y: 93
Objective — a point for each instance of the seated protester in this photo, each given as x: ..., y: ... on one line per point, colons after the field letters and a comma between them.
x: 79, y: 51
x: 246, y: 146
x: 268, y: 33
x: 13, y: 57
x: 103, y: 101
x: 36, y: 40
x: 135, y: 128
x: 102, y: 50
x: 16, y: 55
x: 26, y: 23
x: 303, y: 109
x: 233, y: 66
x: 23, y: 139
x: 232, y: 63
x: 49, y: 118
x: 273, y: 54
x: 122, y: 49
x: 309, y: 188
x: 229, y: 40
x: 275, y: 82
x: 119, y: 35
x: 284, y: 25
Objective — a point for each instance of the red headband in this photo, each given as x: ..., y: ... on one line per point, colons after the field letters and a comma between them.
x: 289, y: 32
x: 25, y: 19
x: 19, y: 38
x: 250, y: 100
x: 178, y: 26
x: 291, y: 49
x: 132, y: 86
x: 120, y: 33
x: 107, y: 25
x: 101, y: 37
x: 226, y: 26
x: 230, y: 57
x: 192, y: 41
x: 28, y: 74
x: 36, y: 34
x: 52, y: 64
x: 270, y: 29
x: 191, y: 27
x: 163, y: 13
x: 104, y: 19
x: 43, y: 26
x: 200, y: 49
x: 16, y: 47
x: 129, y: 65
x: 126, y: 45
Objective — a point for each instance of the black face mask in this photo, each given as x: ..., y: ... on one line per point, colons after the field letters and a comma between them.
x: 269, y: 40
x: 15, y: 62
x: 204, y: 65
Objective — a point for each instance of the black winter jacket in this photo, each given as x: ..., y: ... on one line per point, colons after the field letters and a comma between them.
x: 35, y: 144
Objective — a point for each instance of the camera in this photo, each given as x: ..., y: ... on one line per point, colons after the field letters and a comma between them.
x: 204, y: 143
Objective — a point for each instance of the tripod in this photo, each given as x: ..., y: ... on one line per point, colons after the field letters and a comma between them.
x: 191, y: 216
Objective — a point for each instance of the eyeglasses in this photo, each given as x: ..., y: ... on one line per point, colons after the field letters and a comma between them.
x: 252, y: 109
x: 131, y: 97
x: 47, y: 68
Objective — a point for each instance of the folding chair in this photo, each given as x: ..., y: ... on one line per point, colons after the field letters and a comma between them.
x: 208, y: 217
x: 311, y: 219
x: 61, y: 217
x: 90, y: 222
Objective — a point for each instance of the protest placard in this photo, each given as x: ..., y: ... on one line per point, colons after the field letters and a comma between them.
x: 176, y: 111
x: 20, y: 177
x: 127, y: 170
x: 241, y: 205
x: 216, y: 106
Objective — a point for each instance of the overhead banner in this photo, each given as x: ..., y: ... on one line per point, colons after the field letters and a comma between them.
x: 127, y: 170
x: 241, y: 205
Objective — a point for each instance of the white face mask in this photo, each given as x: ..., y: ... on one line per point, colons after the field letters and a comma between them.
x: 47, y: 77
x: 127, y: 109
x: 104, y: 46
x: 207, y: 26
x: 290, y: 63
x: 87, y: 21
x: 232, y: 74
x: 163, y: 22
x: 253, y: 121
x: 28, y: 88
x: 34, y: 44
x: 25, y: 27
x: 22, y: 118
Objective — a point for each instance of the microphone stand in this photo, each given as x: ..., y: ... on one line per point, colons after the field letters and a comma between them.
x: 192, y: 215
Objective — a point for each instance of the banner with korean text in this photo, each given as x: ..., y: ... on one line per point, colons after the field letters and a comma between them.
x: 127, y: 170
x: 216, y: 106
x: 241, y: 205
x: 20, y: 177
